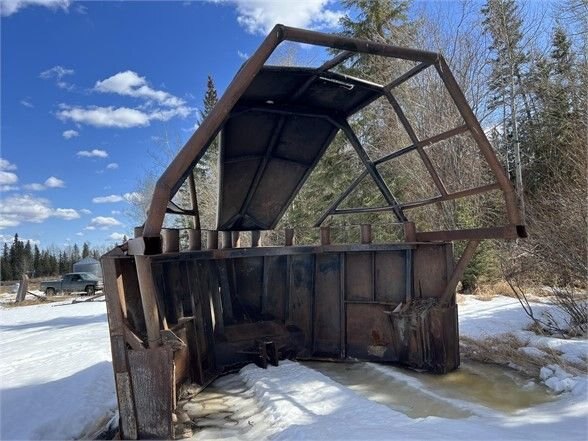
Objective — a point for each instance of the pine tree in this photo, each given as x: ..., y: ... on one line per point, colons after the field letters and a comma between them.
x: 503, y: 23
x: 6, y: 263
x: 85, y: 250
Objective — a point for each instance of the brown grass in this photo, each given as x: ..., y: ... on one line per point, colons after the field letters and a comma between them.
x: 36, y: 301
x: 504, y: 350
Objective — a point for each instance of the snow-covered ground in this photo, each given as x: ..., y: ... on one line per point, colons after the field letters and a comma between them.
x: 57, y: 380
x: 57, y: 383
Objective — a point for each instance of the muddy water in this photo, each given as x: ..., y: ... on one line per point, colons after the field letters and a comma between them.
x: 474, y: 388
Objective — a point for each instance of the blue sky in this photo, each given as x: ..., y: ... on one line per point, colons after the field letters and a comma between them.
x: 90, y: 88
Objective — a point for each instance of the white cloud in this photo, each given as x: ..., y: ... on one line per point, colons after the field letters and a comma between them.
x: 132, y: 197
x: 242, y: 55
x: 66, y: 213
x: 112, y: 166
x: 6, y: 188
x: 8, y: 178
x: 79, y: 233
x: 53, y: 182
x: 26, y: 103
x: 119, y: 117
x: 115, y: 212
x: 90, y: 228
x: 6, y: 165
x: 159, y: 105
x: 85, y: 211
x: 5, y: 238
x: 119, y: 237
x: 94, y: 153
x: 103, y: 222
x: 26, y: 208
x: 129, y: 83
x: 34, y: 187
x: 57, y: 72
x: 68, y: 134
x: 107, y: 199
x: 260, y: 16
x: 9, y: 7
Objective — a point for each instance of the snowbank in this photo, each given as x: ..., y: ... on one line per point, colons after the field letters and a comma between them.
x: 57, y: 379
x: 500, y: 316
x: 303, y: 404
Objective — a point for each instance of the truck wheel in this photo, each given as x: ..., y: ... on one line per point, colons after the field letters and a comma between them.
x: 90, y: 290
x: 50, y: 292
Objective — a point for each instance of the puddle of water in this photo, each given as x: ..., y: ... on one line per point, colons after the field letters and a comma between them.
x: 449, y: 396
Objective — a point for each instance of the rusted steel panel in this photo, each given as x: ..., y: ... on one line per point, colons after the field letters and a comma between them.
x: 301, y: 298
x: 275, y: 301
x: 152, y: 377
x: 359, y: 276
x: 430, y: 271
x: 249, y: 274
x: 369, y: 333
x: 327, y: 306
x: 390, y: 280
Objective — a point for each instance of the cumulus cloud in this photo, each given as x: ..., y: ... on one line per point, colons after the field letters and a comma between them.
x: 4, y: 238
x: 118, y: 117
x: 35, y: 186
x: 53, y: 182
x: 158, y: 105
x: 131, y: 197
x: 85, y: 211
x: 112, y: 166
x: 260, y: 16
x: 118, y: 237
x: 6, y: 188
x: 6, y: 165
x: 26, y: 208
x: 8, y: 178
x: 107, y: 199
x: 9, y: 7
x: 94, y: 153
x: 129, y: 83
x: 68, y: 134
x: 103, y: 222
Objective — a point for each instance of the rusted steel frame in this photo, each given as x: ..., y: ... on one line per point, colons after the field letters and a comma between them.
x: 263, y: 165
x: 505, y: 232
x: 281, y: 109
x: 206, y: 132
x: 407, y: 75
x: 470, y: 119
x: 194, y: 200
x: 458, y: 271
x: 336, y: 60
x: 173, y: 208
x: 424, y: 143
x: 371, y: 168
x: 451, y: 196
x: 412, y: 135
x: 356, y: 45
x: 342, y: 196
x: 148, y: 293
x: 362, y: 210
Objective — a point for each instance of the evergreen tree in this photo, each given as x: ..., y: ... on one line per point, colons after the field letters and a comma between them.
x: 6, y: 267
x: 503, y: 23
x: 85, y: 250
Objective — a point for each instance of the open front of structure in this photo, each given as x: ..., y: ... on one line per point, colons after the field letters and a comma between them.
x: 180, y: 316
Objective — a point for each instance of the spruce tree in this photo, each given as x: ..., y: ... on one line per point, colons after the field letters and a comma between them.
x: 85, y: 250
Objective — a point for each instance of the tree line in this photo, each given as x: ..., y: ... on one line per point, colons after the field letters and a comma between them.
x: 21, y: 257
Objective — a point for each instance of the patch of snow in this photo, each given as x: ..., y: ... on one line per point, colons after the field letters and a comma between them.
x: 57, y: 377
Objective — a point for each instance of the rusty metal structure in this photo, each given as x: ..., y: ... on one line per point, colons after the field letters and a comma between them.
x: 181, y: 317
